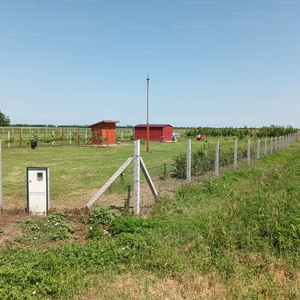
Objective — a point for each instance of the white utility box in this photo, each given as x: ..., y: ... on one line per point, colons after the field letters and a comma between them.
x: 38, y: 192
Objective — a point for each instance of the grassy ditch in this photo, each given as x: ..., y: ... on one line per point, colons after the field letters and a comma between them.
x: 233, y: 238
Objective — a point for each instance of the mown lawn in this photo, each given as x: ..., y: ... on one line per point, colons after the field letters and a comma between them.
x: 233, y: 238
x: 76, y: 173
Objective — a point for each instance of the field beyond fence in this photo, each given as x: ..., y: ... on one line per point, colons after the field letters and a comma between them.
x: 77, y: 173
x: 17, y: 137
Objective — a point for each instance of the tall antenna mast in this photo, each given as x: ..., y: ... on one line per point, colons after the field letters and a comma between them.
x: 147, y: 112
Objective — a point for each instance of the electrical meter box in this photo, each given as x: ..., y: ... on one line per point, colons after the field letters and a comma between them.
x: 38, y: 192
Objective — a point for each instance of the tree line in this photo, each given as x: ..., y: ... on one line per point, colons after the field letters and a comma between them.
x: 240, y: 133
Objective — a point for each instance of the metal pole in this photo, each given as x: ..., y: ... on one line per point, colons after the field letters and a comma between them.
x: 188, y: 160
x: 136, y: 187
x: 217, y: 159
x: 148, y: 133
x: 235, y: 155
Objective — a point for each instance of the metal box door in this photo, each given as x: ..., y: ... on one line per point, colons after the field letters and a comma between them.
x: 38, y: 190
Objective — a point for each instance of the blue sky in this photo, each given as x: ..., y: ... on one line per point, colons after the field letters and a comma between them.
x: 211, y: 63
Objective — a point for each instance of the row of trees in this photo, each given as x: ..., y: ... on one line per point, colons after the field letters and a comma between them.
x: 240, y: 133
x: 4, y: 120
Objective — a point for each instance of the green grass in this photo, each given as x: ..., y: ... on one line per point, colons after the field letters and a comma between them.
x: 233, y: 238
x: 76, y: 173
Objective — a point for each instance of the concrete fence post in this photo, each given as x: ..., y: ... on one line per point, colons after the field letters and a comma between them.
x: 235, y: 155
x: 271, y: 145
x: 248, y: 152
x: 217, y: 159
x: 188, y: 160
x: 0, y: 176
x: 266, y: 145
x: 275, y: 143
x: 136, y: 187
x: 53, y: 137
x: 8, y: 137
x: 258, y: 148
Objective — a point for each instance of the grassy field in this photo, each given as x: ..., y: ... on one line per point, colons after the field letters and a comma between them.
x: 76, y: 173
x: 237, y: 237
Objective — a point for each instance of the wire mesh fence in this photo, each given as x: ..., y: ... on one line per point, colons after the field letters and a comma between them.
x: 14, y: 137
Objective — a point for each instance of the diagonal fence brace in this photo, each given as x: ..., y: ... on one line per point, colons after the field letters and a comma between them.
x: 109, y: 182
x: 148, y: 178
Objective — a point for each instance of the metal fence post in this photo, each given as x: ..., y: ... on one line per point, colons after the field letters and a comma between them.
x: 188, y: 160
x: 235, y: 155
x: 217, y: 159
x: 136, y: 188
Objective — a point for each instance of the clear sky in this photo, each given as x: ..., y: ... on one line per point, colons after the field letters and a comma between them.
x: 211, y: 63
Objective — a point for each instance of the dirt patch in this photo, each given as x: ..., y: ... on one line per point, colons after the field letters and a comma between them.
x: 10, y: 221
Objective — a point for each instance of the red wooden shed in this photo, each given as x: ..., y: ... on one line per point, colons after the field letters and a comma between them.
x: 104, y: 133
x: 157, y: 132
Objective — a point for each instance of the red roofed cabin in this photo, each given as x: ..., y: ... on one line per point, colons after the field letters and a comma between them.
x: 104, y: 133
x: 157, y: 132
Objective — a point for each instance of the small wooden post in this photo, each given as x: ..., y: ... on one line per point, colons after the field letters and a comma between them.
x: 188, y: 160
x: 136, y: 188
x: 235, y: 155
x: 248, y: 152
x: 258, y: 148
x: 217, y: 159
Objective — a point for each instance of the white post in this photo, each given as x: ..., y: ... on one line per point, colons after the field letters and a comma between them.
x: 122, y: 135
x: 188, y: 160
x: 0, y: 176
x: 271, y: 145
x: 248, y: 152
x: 258, y: 148
x: 70, y: 137
x: 217, y: 159
x: 136, y: 187
x: 266, y: 141
x: 53, y: 136
x: 235, y: 155
x: 8, y: 137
